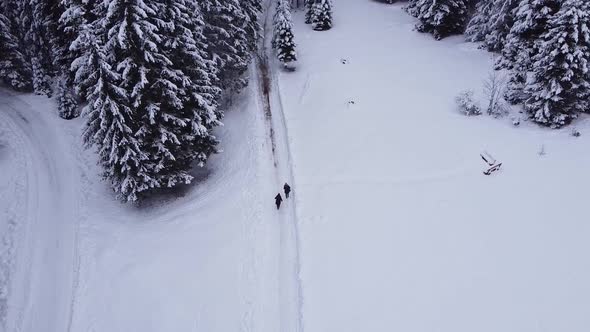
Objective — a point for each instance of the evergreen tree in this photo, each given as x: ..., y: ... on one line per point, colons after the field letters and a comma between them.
x: 491, y: 23
x: 412, y: 7
x: 309, y: 11
x: 40, y: 18
x: 252, y: 10
x: 530, y: 21
x: 441, y: 17
x: 67, y: 104
x: 321, y: 15
x: 228, y: 42
x: 283, y: 40
x: 110, y: 126
x: 560, y: 85
x: 74, y: 15
x: 500, y: 22
x: 14, y: 70
x: 152, y: 99
x: 478, y: 27
x: 194, y: 95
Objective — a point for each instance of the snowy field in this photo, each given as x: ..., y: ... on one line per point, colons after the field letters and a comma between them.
x: 401, y: 231
x: 393, y: 226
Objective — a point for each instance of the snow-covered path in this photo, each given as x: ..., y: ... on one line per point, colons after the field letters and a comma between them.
x: 44, y: 240
x: 271, y: 105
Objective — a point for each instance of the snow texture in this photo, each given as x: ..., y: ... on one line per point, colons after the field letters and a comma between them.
x: 391, y: 225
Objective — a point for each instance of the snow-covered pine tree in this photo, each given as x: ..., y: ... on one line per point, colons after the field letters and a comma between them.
x: 309, y: 11
x: 252, y: 10
x: 412, y: 7
x: 491, y: 23
x: 478, y: 26
x: 110, y: 124
x: 560, y: 85
x: 40, y: 18
x: 67, y: 103
x: 321, y: 15
x: 227, y: 40
x: 14, y: 70
x: 154, y: 88
x: 530, y: 21
x: 500, y: 22
x: 74, y: 15
x: 441, y: 17
x: 194, y: 75
x: 283, y: 40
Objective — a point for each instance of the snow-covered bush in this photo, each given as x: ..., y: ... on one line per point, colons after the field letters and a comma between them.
x: 466, y: 103
x: 516, y: 121
x: 576, y: 132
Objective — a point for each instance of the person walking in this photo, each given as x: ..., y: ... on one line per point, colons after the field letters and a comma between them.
x: 287, y: 189
x: 278, y: 200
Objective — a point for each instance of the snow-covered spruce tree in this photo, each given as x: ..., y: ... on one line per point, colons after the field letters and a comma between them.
x: 309, y: 11
x: 560, y: 85
x: 132, y: 115
x: 441, y: 17
x: 321, y: 15
x: 478, y: 26
x: 74, y: 15
x: 491, y: 23
x: 14, y: 70
x: 412, y: 7
x: 194, y: 76
x: 67, y: 104
x: 228, y: 41
x: 530, y: 22
x: 252, y: 10
x: 40, y: 18
x: 283, y: 40
x: 110, y: 124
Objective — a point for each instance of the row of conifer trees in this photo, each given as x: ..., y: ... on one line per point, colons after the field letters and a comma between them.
x: 544, y: 45
x: 149, y: 76
x: 318, y: 13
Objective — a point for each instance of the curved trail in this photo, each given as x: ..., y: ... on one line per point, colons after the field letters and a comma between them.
x: 45, y: 261
x: 290, y: 285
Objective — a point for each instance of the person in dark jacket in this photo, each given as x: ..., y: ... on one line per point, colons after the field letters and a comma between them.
x: 287, y: 189
x: 278, y: 200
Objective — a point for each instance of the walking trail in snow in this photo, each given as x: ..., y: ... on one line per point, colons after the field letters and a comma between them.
x: 45, y: 240
x: 290, y: 287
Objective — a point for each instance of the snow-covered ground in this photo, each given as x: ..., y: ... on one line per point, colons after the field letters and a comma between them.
x: 400, y: 229
x: 393, y: 226
x: 40, y: 209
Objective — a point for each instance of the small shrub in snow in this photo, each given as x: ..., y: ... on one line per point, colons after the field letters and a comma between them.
x: 576, y: 133
x: 542, y: 151
x: 466, y: 103
x: 516, y: 121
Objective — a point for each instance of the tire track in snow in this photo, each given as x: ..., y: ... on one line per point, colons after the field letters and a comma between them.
x: 290, y: 284
x: 45, y: 263
x: 15, y: 211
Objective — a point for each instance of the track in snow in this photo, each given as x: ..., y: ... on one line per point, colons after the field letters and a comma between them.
x: 44, y: 263
x: 290, y: 286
